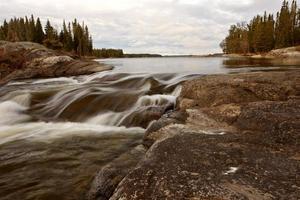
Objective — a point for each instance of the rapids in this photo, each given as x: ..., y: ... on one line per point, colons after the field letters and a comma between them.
x: 56, y: 133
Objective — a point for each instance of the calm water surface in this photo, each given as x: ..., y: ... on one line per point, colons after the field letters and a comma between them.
x: 56, y: 133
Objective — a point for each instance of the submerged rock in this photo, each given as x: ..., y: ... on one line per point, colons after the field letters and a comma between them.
x: 108, y: 178
x: 21, y: 60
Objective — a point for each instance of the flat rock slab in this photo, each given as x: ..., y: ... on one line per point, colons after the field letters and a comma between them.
x: 199, y: 166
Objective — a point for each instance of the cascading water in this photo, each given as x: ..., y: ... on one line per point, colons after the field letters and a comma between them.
x: 56, y: 133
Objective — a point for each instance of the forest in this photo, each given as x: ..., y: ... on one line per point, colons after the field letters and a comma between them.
x: 265, y: 33
x: 73, y: 37
x: 108, y: 53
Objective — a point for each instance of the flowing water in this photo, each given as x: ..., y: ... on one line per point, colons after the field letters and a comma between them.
x: 56, y: 133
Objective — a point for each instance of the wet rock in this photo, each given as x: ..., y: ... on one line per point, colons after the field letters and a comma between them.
x: 21, y: 60
x: 145, y: 115
x: 112, y: 174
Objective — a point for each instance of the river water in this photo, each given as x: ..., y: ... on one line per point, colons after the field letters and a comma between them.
x: 55, y: 134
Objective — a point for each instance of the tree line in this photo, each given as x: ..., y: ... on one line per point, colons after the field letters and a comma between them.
x: 265, y: 33
x: 73, y: 37
x: 118, y: 53
x: 108, y: 53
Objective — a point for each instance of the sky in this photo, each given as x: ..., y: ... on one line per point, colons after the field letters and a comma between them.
x: 147, y: 26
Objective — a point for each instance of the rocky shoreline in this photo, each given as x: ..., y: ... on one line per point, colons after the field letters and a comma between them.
x: 231, y: 137
x: 290, y: 53
x: 23, y: 60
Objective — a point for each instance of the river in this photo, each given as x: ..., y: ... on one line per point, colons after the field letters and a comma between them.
x: 56, y: 133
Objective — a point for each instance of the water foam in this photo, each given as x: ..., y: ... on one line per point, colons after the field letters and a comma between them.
x: 12, y: 113
x: 109, y: 118
x: 42, y: 131
x: 155, y: 100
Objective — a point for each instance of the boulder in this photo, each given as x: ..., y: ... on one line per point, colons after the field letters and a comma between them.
x: 22, y: 60
x: 241, y: 88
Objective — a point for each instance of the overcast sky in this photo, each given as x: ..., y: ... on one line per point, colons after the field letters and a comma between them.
x: 154, y: 26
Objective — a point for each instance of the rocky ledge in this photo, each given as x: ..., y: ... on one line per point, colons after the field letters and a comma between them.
x: 231, y: 137
x: 21, y: 60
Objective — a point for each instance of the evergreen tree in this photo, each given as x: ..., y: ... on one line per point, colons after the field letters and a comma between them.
x: 69, y: 41
x: 5, y: 29
x: 283, y: 32
x: 49, y: 31
x: 297, y: 29
x: 12, y: 31
x: 74, y: 37
x: 293, y: 18
x: 264, y: 33
x: 39, y: 33
x: 31, y: 29
x: 27, y: 27
x: 21, y: 30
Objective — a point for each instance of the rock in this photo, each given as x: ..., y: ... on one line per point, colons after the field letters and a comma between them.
x: 278, y: 122
x: 21, y: 60
x: 185, y: 103
x: 144, y: 116
x: 226, y: 89
x: 173, y: 117
x: 200, y: 166
x: 111, y: 175
x: 239, y: 139
x: 290, y: 52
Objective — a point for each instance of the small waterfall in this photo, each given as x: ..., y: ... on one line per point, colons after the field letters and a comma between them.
x: 108, y: 99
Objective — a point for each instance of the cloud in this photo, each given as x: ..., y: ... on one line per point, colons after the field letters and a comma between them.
x: 155, y: 26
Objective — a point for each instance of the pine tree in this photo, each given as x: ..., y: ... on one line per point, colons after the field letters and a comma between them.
x: 12, y: 32
x: 293, y: 18
x: 39, y: 33
x: 264, y: 33
x: 269, y: 34
x: 283, y: 32
x: 297, y: 29
x: 73, y: 37
x: 32, y: 30
x: 69, y: 42
x: 49, y: 31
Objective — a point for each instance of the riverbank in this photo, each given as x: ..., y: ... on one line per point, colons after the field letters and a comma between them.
x: 231, y: 137
x: 284, y: 53
x: 23, y: 60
